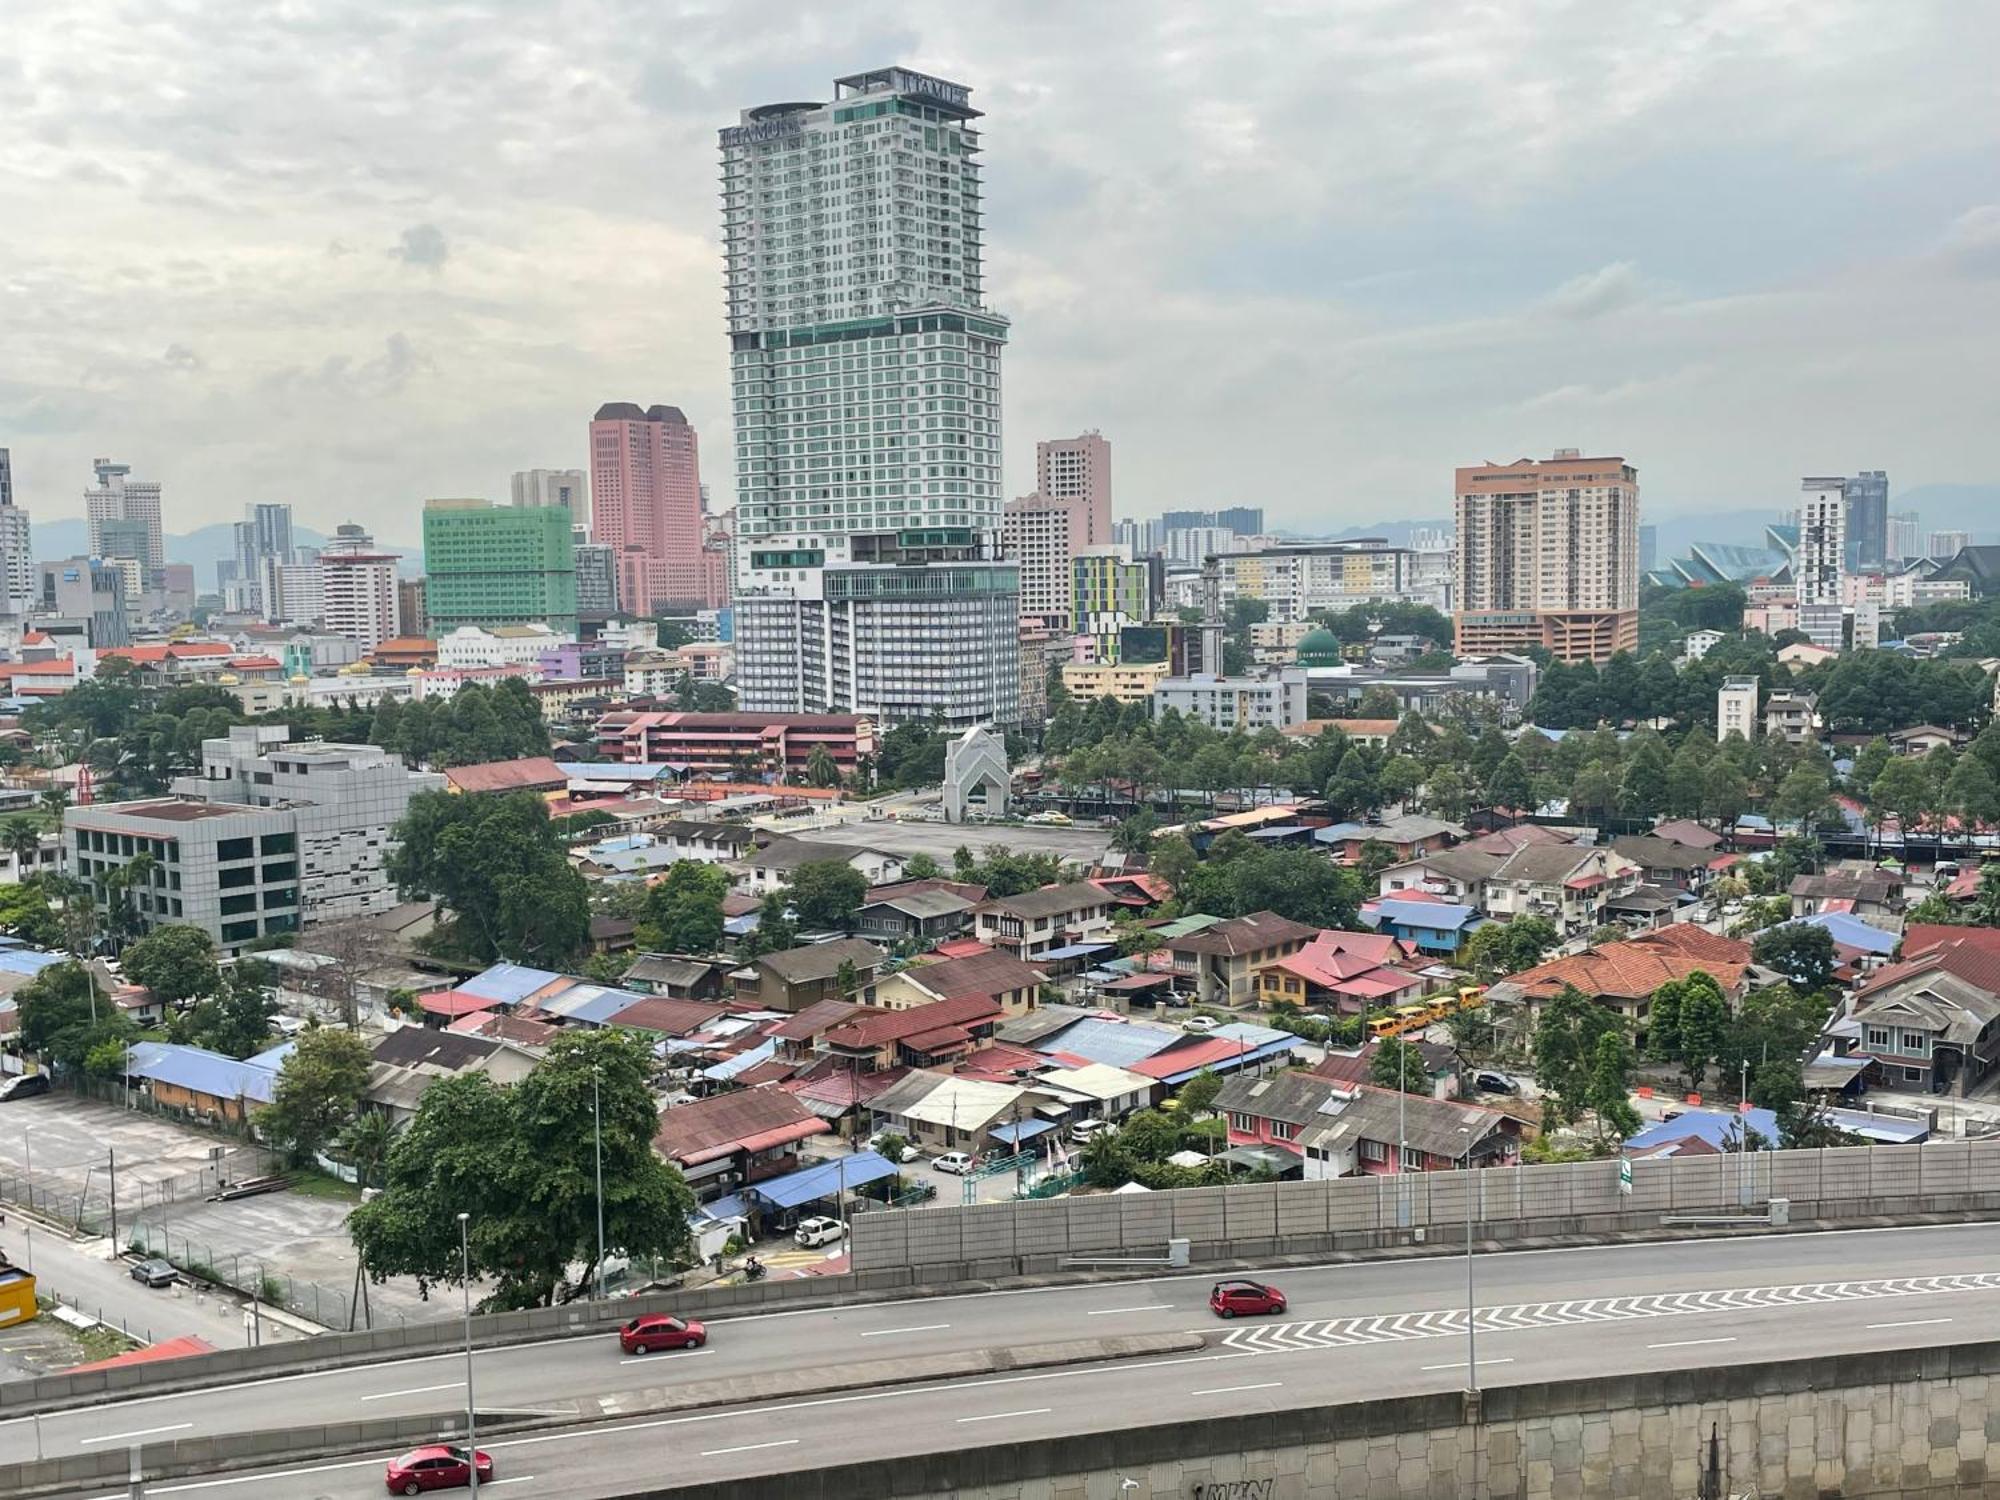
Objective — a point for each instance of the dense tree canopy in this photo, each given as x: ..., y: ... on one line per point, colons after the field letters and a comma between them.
x: 501, y: 870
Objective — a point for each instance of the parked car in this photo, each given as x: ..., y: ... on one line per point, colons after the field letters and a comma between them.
x: 1200, y: 1023
x: 1232, y: 1298
x: 24, y: 1086
x: 908, y: 1153
x: 155, y: 1272
x: 812, y: 1233
x: 1496, y: 1083
x: 1083, y: 1132
x: 1049, y: 819
x: 437, y: 1467
x: 955, y: 1162
x: 651, y: 1331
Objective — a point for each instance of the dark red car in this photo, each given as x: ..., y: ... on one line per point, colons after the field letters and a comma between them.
x: 1229, y: 1299
x: 653, y: 1331
x: 438, y: 1467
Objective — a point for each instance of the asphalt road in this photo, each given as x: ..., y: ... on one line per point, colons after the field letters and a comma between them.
x: 1384, y: 1328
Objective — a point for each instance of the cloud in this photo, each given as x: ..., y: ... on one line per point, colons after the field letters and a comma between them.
x: 1310, y: 257
x: 422, y: 245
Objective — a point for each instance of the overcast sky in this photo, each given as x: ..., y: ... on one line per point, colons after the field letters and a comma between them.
x: 353, y: 253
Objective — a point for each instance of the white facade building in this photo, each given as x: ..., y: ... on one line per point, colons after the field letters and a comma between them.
x: 1736, y: 708
x: 1037, y: 533
x: 1819, y: 564
x: 358, y: 588
x: 19, y: 580
x: 866, y: 381
x: 1300, y: 581
x: 1275, y: 700
x: 119, y: 497
x: 503, y: 645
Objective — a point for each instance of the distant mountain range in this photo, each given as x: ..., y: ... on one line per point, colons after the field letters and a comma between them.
x: 203, y: 548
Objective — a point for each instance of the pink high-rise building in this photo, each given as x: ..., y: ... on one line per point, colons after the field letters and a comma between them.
x: 645, y: 497
x: 1076, y: 472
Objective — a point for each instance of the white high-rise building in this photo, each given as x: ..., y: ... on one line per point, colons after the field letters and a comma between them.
x: 866, y: 381
x: 18, y: 578
x: 119, y: 497
x: 567, y: 488
x: 1736, y: 708
x: 358, y: 588
x: 1819, y: 565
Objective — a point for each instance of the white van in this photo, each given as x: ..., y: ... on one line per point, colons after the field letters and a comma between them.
x: 1083, y: 1132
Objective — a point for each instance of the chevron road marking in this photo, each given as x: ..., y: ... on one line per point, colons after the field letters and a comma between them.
x: 1384, y: 1328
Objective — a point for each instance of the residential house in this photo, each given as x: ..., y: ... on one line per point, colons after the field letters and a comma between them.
x: 774, y: 865
x: 1439, y: 1064
x: 1669, y: 865
x: 1458, y: 875
x: 1221, y: 962
x: 1346, y: 972
x: 408, y: 1060
x: 1346, y: 1130
x: 676, y: 977
x: 1869, y: 894
x: 1568, y: 884
x: 914, y: 916
x: 921, y: 1036
x: 1921, y: 739
x: 1929, y: 1030
x: 946, y: 1112
x: 1037, y: 922
x: 1373, y: 732
x: 534, y: 774
x: 1408, y: 837
x: 794, y: 978
x: 726, y: 1140
x: 204, y: 1083
x: 1427, y: 926
x: 1792, y: 717
x: 669, y: 1017
x: 1001, y: 978
x: 1623, y: 976
x: 1094, y: 1091
x: 705, y: 843
x: 1688, y: 832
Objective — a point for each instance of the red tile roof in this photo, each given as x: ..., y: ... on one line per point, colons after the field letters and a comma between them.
x: 747, y: 1120
x: 534, y: 773
x: 454, y: 1003
x: 879, y: 1028
x: 835, y: 1084
x: 1971, y: 953
x: 1630, y: 970
x: 985, y: 974
x: 668, y: 1017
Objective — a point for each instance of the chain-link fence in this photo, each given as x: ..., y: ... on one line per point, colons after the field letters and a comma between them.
x: 249, y: 1274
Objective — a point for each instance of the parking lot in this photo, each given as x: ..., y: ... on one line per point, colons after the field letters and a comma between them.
x: 166, y: 1172
x: 938, y: 840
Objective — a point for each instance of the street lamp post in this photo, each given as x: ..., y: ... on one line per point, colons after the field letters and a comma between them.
x: 28, y: 1223
x: 1471, y: 1300
x: 471, y: 1410
x: 597, y: 1133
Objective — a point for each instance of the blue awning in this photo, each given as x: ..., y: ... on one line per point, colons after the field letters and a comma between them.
x: 826, y: 1180
x: 742, y: 1062
x: 1079, y: 950
x: 1013, y: 1135
x: 728, y: 1207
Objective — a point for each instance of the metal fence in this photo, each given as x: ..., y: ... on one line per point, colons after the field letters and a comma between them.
x: 1394, y: 1208
x: 249, y: 1274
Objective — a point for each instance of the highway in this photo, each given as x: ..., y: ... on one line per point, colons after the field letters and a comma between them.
x: 1383, y: 1328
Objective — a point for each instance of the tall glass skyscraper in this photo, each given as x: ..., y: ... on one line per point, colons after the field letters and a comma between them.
x: 866, y: 383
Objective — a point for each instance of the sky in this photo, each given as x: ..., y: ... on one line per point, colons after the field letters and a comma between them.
x: 353, y: 253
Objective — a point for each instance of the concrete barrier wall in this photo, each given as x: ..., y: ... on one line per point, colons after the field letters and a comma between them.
x: 1227, y: 1223
x: 1902, y: 1423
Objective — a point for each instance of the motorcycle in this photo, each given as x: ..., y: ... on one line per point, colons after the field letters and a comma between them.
x: 753, y: 1269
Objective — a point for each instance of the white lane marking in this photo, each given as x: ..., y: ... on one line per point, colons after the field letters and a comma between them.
x: 1498, y: 1258
x: 119, y: 1437
x: 416, y: 1390
x: 1459, y: 1364
x: 216, y: 1484
x: 653, y: 1359
x: 1001, y: 1416
x: 1225, y: 1390
x: 881, y: 1333
x: 1101, y: 1312
x: 1911, y: 1323
x: 1689, y: 1343
x: 490, y: 1484
x: 752, y: 1447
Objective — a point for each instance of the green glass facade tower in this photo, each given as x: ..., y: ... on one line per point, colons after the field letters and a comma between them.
x: 499, y: 565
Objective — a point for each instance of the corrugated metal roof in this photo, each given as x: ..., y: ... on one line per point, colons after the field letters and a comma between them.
x: 826, y: 1180
x: 509, y: 984
x: 200, y: 1071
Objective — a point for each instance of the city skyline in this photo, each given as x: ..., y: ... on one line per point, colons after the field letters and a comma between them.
x: 379, y: 317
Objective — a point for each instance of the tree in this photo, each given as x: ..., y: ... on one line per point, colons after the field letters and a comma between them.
x: 775, y: 931
x: 237, y: 1021
x: 176, y: 962
x: 1578, y: 1073
x: 1510, y: 786
x: 25, y: 912
x: 1724, y: 793
x: 1398, y: 1065
x: 1502, y: 948
x: 683, y: 912
x: 317, y: 1092
x: 1804, y: 955
x: 1197, y: 1095
x: 54, y: 800
x: 1610, y: 1095
x: 1803, y: 797
x: 1904, y: 788
x: 501, y: 871
x: 827, y: 893
x: 1377, y: 702
x: 1593, y: 792
x: 1686, y: 1024
x: 821, y: 769
x: 1972, y: 792
x: 1132, y: 836
x: 1448, y: 794
x: 521, y: 1163
x: 923, y: 867
x: 366, y: 1143
x: 23, y: 840
x: 57, y: 1021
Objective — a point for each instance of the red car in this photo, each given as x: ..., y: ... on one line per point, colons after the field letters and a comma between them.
x: 660, y: 1331
x: 438, y: 1467
x: 1229, y: 1298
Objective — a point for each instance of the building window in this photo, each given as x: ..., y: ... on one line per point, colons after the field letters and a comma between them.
x: 1243, y: 1124
x: 1374, y: 1151
x: 236, y: 905
x: 1913, y: 1075
x: 1283, y: 1130
x: 236, y: 849
x: 1878, y: 1036
x: 239, y: 932
x: 1918, y: 1043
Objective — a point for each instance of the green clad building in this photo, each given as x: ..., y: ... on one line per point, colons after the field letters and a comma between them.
x: 489, y: 564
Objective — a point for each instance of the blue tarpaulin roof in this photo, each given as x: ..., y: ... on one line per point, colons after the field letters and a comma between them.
x: 1717, y: 1127
x: 1079, y: 950
x: 27, y: 960
x: 1027, y: 1130
x: 1850, y: 931
x: 508, y: 984
x: 1442, y: 916
x: 200, y: 1071
x: 826, y: 1180
x: 742, y: 1062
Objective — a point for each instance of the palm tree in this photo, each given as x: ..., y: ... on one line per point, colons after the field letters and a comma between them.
x: 366, y: 1141
x: 23, y: 840
x: 54, y: 800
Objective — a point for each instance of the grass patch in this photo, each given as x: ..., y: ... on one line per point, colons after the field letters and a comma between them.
x: 100, y: 1342
x: 313, y: 1183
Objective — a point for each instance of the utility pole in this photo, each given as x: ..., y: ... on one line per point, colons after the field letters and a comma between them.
x: 112, y: 1153
x: 597, y: 1132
